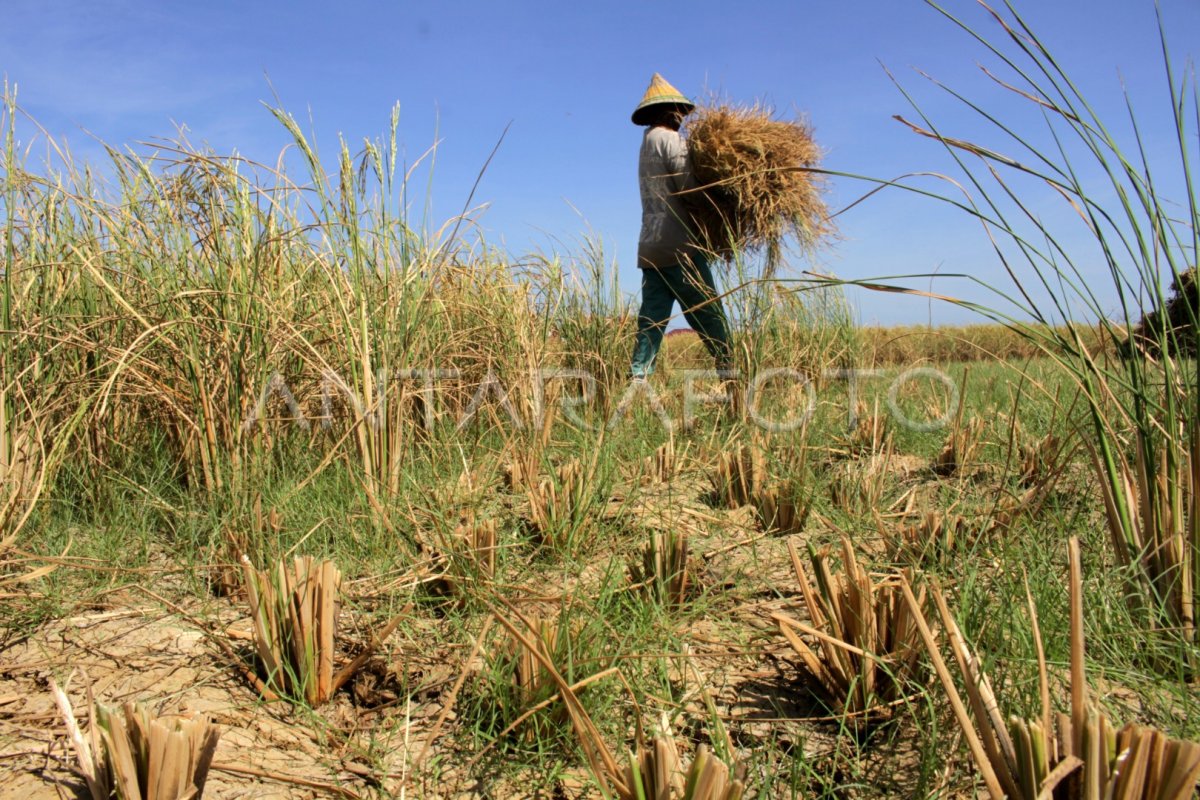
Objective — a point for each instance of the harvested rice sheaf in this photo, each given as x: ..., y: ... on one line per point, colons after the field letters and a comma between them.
x: 755, y: 184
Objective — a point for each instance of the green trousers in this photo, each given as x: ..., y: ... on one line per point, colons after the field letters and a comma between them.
x: 691, y: 285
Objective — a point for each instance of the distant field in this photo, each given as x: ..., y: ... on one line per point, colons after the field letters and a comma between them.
x: 910, y: 344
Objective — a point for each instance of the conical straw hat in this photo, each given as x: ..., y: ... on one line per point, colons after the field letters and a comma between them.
x: 659, y: 93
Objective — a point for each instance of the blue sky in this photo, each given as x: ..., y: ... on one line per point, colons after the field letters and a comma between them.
x: 565, y: 76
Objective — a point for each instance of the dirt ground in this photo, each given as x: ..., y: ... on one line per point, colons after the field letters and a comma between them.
x: 163, y: 646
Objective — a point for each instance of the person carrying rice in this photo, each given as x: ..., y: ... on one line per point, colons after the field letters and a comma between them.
x: 675, y: 268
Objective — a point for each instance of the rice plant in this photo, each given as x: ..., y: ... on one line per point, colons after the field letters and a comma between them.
x: 531, y: 682
x: 655, y: 772
x: 540, y: 683
x: 295, y: 614
x: 871, y: 433
x: 1154, y: 527
x: 561, y: 507
x: 466, y: 556
x: 527, y: 454
x: 1042, y: 461
x: 662, y: 465
x: 858, y: 487
x: 479, y: 544
x: 783, y: 509
x: 294, y: 610
x: 595, y: 324
x: 961, y: 449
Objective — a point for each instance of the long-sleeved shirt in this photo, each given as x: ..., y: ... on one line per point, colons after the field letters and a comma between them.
x: 663, y: 172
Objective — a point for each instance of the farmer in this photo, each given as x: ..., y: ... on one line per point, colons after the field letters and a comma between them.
x: 674, y: 267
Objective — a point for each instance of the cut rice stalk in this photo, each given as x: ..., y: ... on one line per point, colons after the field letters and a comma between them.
x: 739, y: 477
x: 655, y: 772
x: 1086, y: 758
x: 868, y: 642
x: 932, y: 540
x: 137, y: 755
x: 783, y: 510
x: 294, y: 612
x: 663, y: 573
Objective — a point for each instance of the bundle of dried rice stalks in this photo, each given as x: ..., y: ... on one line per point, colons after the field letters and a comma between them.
x: 755, y: 179
x: 135, y: 755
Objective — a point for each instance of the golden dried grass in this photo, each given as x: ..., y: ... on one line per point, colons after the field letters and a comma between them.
x: 914, y: 344
x: 756, y: 181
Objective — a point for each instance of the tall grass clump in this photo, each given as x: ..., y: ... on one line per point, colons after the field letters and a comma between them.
x: 594, y: 323
x: 1138, y: 210
x: 37, y: 423
x: 235, y: 321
